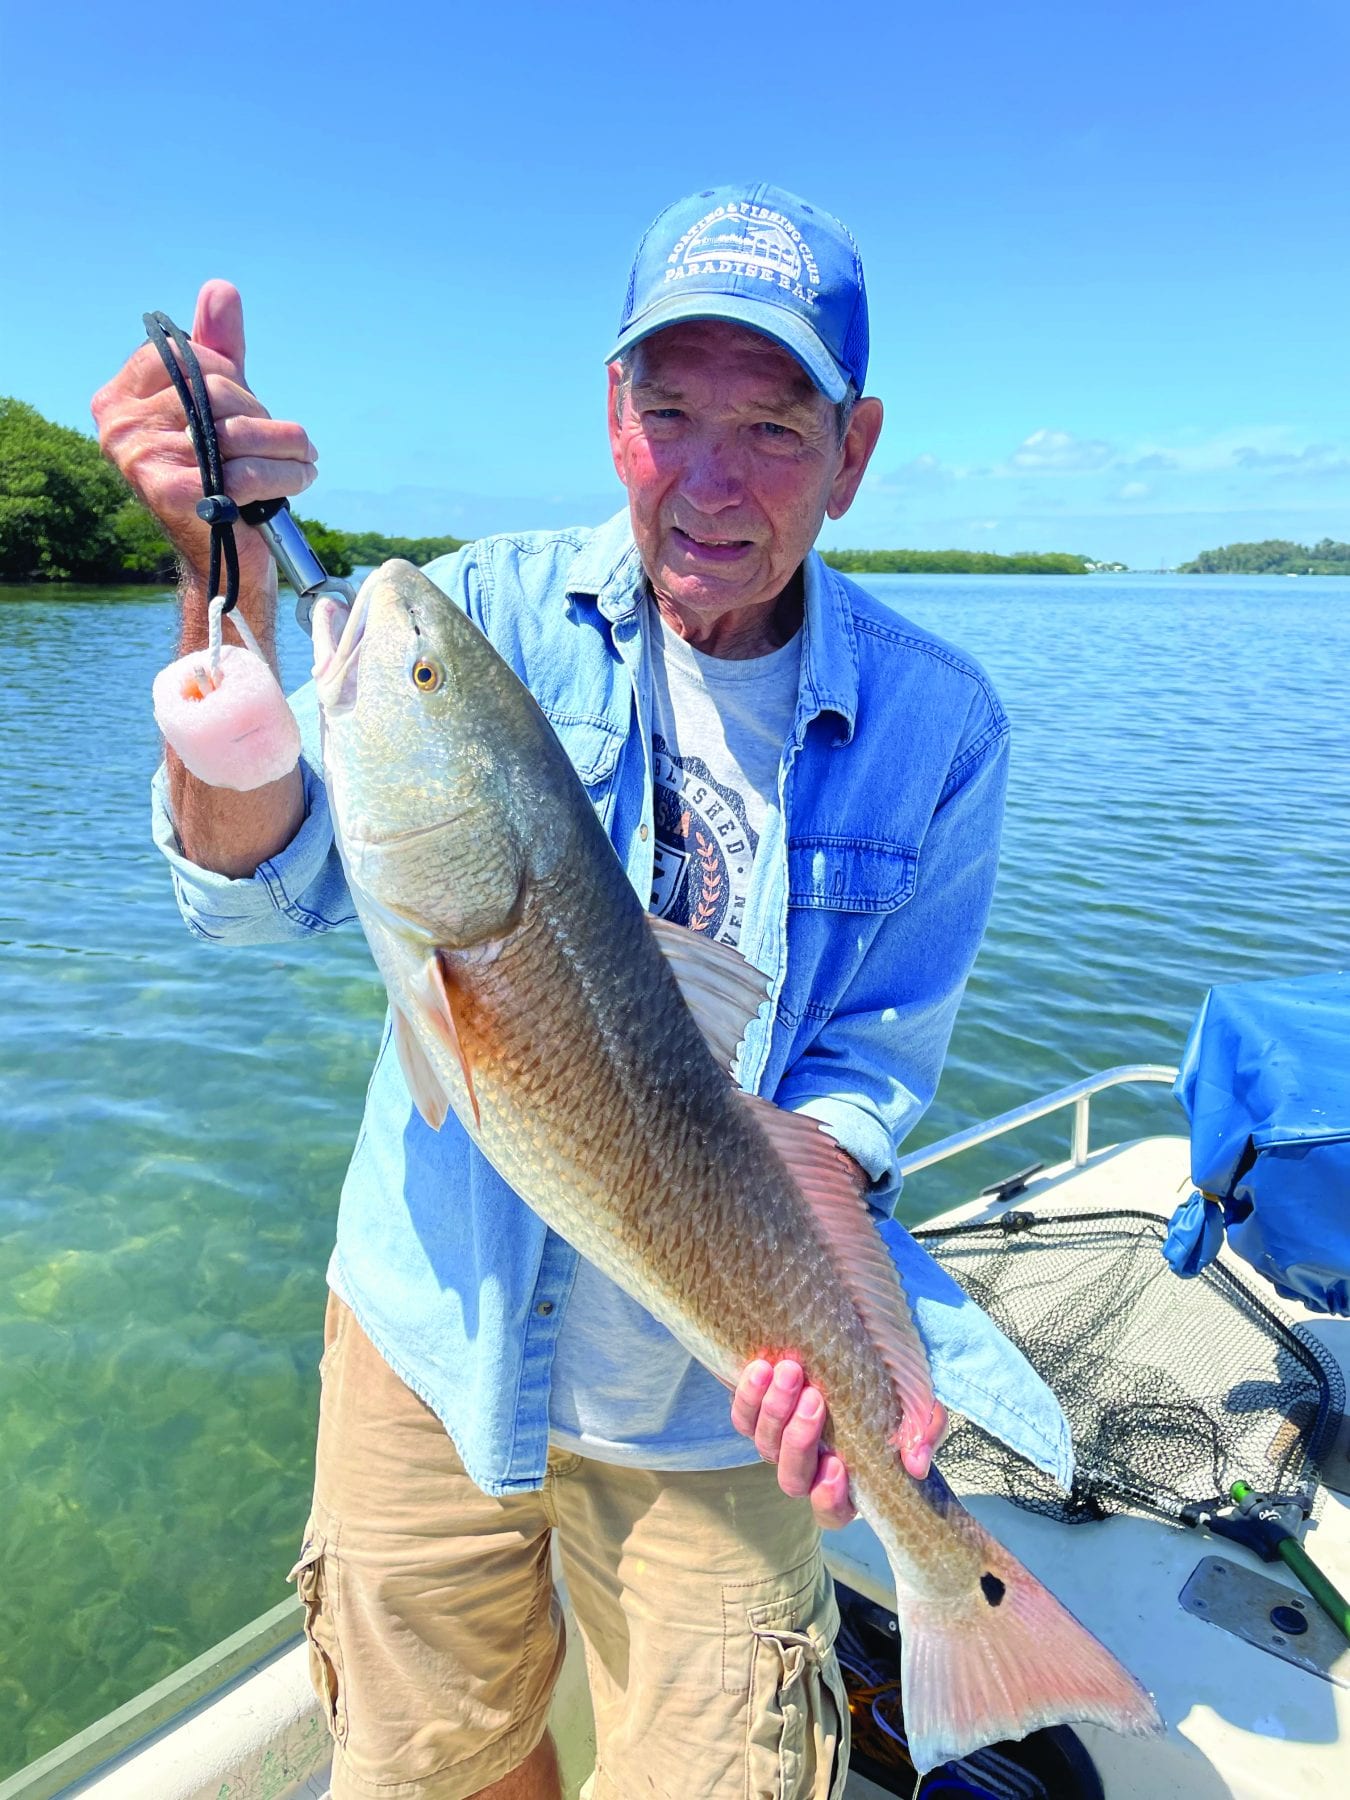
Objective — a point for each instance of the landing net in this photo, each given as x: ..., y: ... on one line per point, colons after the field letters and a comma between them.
x: 1173, y: 1389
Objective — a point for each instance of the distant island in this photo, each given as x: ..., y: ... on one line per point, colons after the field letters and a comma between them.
x: 1272, y: 556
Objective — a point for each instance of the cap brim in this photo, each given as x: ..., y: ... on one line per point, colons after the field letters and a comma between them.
x: 757, y: 314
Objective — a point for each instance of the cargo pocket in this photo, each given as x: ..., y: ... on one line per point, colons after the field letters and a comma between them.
x: 798, y: 1724
x: 314, y: 1576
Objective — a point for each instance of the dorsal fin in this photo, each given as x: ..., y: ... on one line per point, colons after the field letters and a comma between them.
x: 817, y: 1165
x: 720, y: 988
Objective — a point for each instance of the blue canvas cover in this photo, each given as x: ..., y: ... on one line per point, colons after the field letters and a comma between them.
x: 1265, y: 1081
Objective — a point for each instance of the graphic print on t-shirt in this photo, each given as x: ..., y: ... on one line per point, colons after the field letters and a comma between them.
x: 704, y: 847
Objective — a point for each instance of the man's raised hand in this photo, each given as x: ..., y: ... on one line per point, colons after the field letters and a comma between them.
x: 142, y: 431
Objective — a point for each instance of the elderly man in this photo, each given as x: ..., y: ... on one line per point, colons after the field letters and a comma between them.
x: 782, y: 763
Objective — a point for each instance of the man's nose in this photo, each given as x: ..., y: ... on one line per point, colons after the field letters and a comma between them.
x: 711, y: 480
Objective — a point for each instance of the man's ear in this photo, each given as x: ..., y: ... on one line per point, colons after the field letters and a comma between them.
x: 860, y: 440
x: 615, y: 402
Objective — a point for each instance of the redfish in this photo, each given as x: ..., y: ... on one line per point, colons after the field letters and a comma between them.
x: 586, y: 1048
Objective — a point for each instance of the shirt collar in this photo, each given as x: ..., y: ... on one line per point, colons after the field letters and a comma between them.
x: 829, y: 680
x: 608, y: 570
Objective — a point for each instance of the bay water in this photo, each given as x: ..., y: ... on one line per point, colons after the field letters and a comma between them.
x: 176, y: 1119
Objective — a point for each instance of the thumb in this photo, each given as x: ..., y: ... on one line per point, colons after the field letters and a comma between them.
x: 218, y: 322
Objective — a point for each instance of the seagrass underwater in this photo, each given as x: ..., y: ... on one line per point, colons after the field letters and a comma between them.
x: 587, y: 1050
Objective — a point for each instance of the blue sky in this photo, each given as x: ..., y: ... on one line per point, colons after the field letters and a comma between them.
x: 1106, y: 244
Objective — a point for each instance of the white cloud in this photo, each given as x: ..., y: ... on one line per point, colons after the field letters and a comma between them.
x: 1134, y: 490
x: 921, y: 474
x: 1313, y: 459
x: 1048, y: 452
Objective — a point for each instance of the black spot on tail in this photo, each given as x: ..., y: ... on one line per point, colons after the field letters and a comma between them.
x: 992, y: 1588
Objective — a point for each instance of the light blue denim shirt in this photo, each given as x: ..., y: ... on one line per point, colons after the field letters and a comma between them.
x: 868, y: 900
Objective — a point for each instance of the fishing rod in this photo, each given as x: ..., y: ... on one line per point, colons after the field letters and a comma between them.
x: 292, y: 551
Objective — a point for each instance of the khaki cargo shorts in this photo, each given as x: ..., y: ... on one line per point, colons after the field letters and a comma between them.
x: 436, y: 1637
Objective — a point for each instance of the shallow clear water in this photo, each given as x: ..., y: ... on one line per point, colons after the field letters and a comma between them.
x: 176, y: 1121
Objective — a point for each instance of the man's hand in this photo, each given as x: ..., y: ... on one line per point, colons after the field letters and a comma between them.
x: 142, y: 431
x: 774, y: 1405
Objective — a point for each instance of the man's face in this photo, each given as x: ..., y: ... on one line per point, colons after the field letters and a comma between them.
x: 732, y: 459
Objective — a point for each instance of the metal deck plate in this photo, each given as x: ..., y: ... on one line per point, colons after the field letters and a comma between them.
x: 1240, y: 1601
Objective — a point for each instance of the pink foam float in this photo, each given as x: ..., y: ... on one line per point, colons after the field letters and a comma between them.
x: 223, y: 711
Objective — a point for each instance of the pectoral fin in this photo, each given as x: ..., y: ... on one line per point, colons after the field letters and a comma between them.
x: 423, y: 1082
x: 436, y: 1000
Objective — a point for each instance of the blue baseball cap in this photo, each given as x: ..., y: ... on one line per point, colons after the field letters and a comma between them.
x: 760, y: 257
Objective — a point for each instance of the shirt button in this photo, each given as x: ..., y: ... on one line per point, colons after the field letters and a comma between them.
x: 643, y: 833
x: 544, y: 1308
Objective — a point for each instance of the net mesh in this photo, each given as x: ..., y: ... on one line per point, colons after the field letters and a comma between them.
x: 1173, y: 1389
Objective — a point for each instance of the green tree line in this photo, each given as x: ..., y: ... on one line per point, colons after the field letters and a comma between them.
x: 67, y: 515
x: 954, y: 562
x: 342, y: 551
x: 1272, y: 556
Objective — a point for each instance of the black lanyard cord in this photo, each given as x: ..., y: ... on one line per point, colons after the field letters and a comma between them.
x: 216, y: 508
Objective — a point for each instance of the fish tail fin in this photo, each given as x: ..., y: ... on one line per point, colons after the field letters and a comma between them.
x: 1008, y: 1661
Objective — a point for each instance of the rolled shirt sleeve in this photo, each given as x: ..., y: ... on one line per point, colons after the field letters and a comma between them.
x: 296, y: 893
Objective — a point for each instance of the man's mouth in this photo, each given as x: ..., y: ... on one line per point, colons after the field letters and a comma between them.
x: 710, y: 549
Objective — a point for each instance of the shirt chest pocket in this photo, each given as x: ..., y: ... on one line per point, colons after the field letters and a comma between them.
x: 848, y: 874
x: 593, y: 748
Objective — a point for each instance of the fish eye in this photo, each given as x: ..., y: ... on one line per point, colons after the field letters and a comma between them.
x: 427, y: 675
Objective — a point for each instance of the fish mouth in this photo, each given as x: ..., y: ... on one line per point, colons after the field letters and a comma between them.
x: 338, y: 635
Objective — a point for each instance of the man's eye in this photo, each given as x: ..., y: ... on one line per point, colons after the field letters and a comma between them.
x: 770, y: 428
x: 663, y: 414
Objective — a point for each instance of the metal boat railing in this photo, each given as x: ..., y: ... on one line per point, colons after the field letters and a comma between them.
x: 1078, y: 1095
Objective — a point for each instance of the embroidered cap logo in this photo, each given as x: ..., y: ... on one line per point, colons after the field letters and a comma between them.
x: 755, y: 242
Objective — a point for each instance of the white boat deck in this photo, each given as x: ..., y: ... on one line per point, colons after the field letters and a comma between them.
x: 1241, y: 1722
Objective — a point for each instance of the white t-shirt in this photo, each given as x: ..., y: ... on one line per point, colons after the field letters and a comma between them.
x: 623, y: 1390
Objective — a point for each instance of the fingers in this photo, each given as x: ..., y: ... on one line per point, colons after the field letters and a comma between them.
x: 917, y: 1446
x: 786, y: 1416
x: 776, y: 1408
x: 143, y: 374
x: 749, y: 1396
x: 798, y: 1455
x: 218, y: 323
x: 830, y: 1500
x: 161, y: 408
x: 250, y: 478
x: 254, y: 434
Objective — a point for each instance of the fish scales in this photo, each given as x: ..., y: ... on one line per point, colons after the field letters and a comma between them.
x: 688, y: 1194
x: 540, y: 1007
